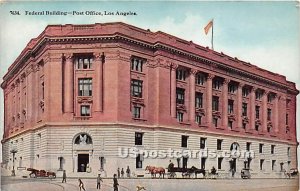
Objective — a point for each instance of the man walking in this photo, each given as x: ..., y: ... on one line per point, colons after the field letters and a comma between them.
x: 64, y: 177
x: 118, y: 172
x: 116, y: 184
x: 128, y: 172
x: 99, y: 179
x: 122, y: 173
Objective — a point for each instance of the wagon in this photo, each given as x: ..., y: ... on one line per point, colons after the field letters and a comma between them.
x: 245, y: 173
x: 34, y: 173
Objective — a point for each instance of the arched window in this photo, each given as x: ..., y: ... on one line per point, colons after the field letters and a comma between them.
x: 234, y: 146
x: 83, y: 139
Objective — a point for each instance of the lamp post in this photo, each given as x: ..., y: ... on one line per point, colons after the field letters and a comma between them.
x: 13, y: 151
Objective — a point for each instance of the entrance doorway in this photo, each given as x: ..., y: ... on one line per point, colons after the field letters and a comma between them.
x: 83, y: 160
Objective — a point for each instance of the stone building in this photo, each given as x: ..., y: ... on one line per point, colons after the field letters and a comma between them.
x: 78, y: 93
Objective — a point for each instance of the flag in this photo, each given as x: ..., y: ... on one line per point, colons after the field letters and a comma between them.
x: 208, y: 26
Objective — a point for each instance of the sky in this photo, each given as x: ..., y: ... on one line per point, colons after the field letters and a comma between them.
x: 265, y: 34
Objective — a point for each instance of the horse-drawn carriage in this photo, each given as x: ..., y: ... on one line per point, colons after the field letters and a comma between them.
x: 186, y: 172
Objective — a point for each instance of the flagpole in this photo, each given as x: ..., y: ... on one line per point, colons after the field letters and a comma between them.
x: 212, y: 36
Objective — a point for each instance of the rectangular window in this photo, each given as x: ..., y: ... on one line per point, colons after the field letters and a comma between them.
x: 139, y: 138
x: 230, y: 106
x: 261, y: 148
x: 85, y: 87
x: 256, y: 127
x: 215, y: 103
x: 43, y: 90
x: 179, y: 116
x: 220, y: 160
x: 258, y: 95
x: 137, y: 88
x: 257, y: 108
x: 180, y: 96
x: 198, y: 119
x: 269, y: 114
x: 181, y: 74
x: 217, y: 84
x: 286, y: 119
x: 198, y: 100
x: 244, y: 125
x: 136, y: 112
x: 270, y: 98
x: 200, y: 79
x: 289, y: 151
x: 203, y: 161
x: 231, y: 88
x: 261, y: 164
x: 139, y: 161
x: 215, y: 122
x: 230, y: 124
x: 245, y: 92
x: 248, y: 146
x: 85, y: 110
x: 184, y: 141
x: 137, y: 64
x: 244, y: 109
x: 273, y: 164
x: 272, y: 149
x: 83, y: 62
x: 219, y: 144
x: 202, y: 143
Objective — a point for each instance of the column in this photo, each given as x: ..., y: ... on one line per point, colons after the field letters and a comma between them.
x: 21, y: 101
x: 252, y: 109
x: 98, y: 87
x: 68, y: 84
x: 264, y: 111
x: 239, y: 106
x: 276, y: 113
x: 192, y: 95
x: 209, y: 100
x: 225, y: 103
x: 173, y: 90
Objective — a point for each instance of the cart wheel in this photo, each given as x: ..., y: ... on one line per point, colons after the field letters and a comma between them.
x: 32, y: 175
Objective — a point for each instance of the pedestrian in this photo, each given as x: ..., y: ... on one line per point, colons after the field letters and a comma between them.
x: 99, y: 179
x: 118, y: 172
x: 116, y: 184
x: 128, y: 172
x: 122, y: 173
x: 81, y: 185
x: 64, y: 177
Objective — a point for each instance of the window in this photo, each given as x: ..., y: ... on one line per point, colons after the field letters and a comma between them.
x: 85, y: 110
x: 245, y: 92
x: 261, y: 164
x: 43, y: 90
x: 257, y: 111
x: 139, y: 138
x: 230, y: 124
x: 217, y: 84
x: 198, y: 100
x: 273, y: 164
x: 61, y: 159
x: 137, y: 64
x: 270, y: 98
x: 220, y: 160
x: 102, y: 163
x: 258, y: 95
x: 272, y: 149
x: 231, y: 88
x: 83, y: 62
x: 248, y: 146
x: 230, y: 106
x: 269, y: 114
x: 289, y: 151
x: 244, y: 109
x: 215, y: 103
x: 179, y: 116
x: 85, y: 87
x: 180, y: 96
x: 137, y: 88
x: 244, y: 125
x: 286, y: 119
x: 202, y: 143
x: 138, y: 161
x: 198, y: 119
x: 256, y: 127
x: 219, y: 144
x: 181, y: 74
x: 215, y: 122
x: 200, y: 78
x: 281, y: 166
x: 261, y: 148
x: 136, y: 113
x: 184, y: 141
x: 203, y: 161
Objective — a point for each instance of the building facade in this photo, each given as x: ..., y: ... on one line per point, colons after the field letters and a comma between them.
x: 78, y: 93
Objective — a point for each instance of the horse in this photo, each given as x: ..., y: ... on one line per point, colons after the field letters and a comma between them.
x: 155, y: 170
x: 197, y: 171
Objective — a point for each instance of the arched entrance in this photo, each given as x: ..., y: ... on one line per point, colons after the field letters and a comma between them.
x: 82, y: 152
x: 235, y: 152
